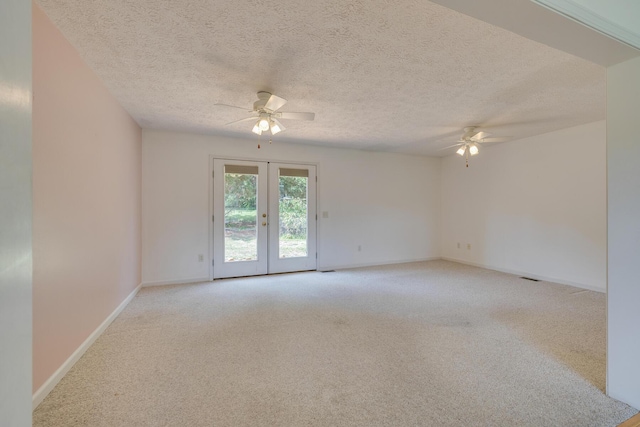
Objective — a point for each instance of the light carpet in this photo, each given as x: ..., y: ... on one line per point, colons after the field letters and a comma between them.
x: 421, y: 344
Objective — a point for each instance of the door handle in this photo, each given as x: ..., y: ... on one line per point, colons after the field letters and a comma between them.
x: 264, y: 215
x: 264, y: 223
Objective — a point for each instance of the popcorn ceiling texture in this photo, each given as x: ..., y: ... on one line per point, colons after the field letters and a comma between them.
x: 400, y: 76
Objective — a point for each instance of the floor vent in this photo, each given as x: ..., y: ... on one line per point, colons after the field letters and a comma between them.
x: 529, y: 278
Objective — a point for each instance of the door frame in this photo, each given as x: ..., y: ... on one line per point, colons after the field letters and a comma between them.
x: 212, y: 157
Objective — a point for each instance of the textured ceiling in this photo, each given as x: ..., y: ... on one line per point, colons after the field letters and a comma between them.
x: 402, y: 76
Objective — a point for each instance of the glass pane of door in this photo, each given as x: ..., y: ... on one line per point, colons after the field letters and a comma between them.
x: 293, y: 215
x: 240, y: 215
x: 239, y: 218
x: 292, y: 212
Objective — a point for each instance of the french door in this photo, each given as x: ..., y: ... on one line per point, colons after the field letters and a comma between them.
x: 264, y: 218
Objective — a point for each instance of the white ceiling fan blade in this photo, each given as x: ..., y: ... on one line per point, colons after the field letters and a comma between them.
x: 242, y: 120
x: 451, y: 146
x: 480, y: 136
x: 497, y: 139
x: 296, y: 116
x: 275, y: 103
x: 232, y: 106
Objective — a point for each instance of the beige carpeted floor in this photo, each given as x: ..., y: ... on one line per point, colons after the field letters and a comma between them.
x: 422, y: 344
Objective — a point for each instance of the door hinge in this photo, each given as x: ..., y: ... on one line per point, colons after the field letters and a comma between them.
x: 213, y: 174
x: 316, y: 178
x: 212, y: 263
x: 212, y: 218
x: 316, y: 255
x: 316, y: 217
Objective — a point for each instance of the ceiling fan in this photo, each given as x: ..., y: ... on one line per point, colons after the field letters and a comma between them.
x: 469, y: 142
x: 265, y: 113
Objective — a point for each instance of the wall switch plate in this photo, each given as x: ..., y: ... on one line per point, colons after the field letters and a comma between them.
x: 200, y: 258
x: 325, y: 214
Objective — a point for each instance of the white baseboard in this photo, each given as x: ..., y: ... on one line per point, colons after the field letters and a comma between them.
x: 46, y: 388
x: 527, y: 274
x: 176, y: 282
x: 375, y: 264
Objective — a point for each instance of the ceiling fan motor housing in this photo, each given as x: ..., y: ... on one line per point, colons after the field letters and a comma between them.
x: 263, y: 97
x: 469, y: 131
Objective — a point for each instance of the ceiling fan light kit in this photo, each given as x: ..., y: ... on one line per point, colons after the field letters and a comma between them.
x: 265, y: 110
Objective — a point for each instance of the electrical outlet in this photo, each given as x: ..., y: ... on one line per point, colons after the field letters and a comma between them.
x: 469, y: 246
x: 200, y: 258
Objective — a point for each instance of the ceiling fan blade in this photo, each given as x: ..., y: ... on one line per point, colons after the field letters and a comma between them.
x: 480, y: 136
x: 451, y: 146
x: 275, y: 103
x: 242, y: 120
x: 296, y: 116
x: 232, y: 106
x: 497, y: 139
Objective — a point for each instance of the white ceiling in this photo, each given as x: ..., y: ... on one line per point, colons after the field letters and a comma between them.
x: 402, y: 76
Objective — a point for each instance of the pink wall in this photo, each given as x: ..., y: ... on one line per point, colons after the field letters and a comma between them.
x: 86, y: 200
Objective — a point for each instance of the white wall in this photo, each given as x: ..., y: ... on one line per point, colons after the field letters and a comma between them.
x: 15, y: 213
x: 623, y: 173
x: 387, y: 203
x: 535, y: 207
x: 87, y: 161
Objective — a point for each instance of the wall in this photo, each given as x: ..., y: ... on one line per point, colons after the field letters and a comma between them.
x: 535, y: 207
x: 387, y: 203
x: 623, y: 173
x: 86, y: 201
x: 15, y: 212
